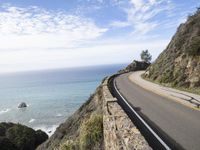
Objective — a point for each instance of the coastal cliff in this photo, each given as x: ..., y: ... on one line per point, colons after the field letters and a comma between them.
x: 179, y: 64
x: 99, y: 124
x: 83, y: 130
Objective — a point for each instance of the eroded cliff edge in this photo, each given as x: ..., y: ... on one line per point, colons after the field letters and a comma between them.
x: 98, y: 124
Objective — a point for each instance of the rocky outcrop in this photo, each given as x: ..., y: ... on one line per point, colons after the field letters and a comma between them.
x: 179, y: 64
x: 135, y: 66
x: 19, y: 137
x: 22, y: 105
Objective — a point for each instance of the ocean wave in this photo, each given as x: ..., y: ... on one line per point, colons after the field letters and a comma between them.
x: 47, y: 129
x: 59, y: 115
x: 32, y: 120
x: 4, y: 111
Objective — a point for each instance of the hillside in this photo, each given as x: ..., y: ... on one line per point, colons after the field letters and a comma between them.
x: 83, y: 130
x: 99, y: 124
x: 179, y: 64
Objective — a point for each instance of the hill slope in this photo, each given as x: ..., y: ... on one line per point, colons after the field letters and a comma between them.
x: 179, y: 64
x: 83, y: 130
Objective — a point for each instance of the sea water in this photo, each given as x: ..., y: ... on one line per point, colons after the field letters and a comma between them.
x: 51, y: 95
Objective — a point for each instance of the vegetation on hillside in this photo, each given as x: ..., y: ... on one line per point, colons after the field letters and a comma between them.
x: 83, y: 130
x: 91, y: 135
x: 179, y: 64
x: 19, y: 137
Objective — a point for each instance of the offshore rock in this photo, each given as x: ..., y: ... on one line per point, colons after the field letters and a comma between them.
x: 22, y: 105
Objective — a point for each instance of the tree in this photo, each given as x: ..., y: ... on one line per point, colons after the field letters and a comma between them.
x: 198, y: 9
x: 146, y: 56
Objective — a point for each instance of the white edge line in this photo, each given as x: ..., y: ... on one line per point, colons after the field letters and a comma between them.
x: 147, y: 126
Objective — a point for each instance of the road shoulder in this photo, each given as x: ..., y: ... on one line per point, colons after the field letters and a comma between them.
x: 182, y: 97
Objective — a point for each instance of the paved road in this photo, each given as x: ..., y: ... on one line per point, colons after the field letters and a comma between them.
x: 179, y: 122
x: 185, y: 98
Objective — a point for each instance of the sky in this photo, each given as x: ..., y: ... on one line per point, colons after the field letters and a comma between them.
x: 49, y: 34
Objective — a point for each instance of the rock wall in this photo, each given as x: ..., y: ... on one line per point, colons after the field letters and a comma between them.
x: 119, y: 131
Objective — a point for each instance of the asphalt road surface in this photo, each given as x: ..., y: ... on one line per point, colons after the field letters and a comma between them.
x: 179, y: 122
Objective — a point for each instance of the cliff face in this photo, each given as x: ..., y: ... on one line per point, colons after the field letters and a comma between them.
x: 83, y: 130
x: 99, y: 124
x: 179, y: 64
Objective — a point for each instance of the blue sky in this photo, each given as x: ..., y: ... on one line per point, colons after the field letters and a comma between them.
x: 48, y: 34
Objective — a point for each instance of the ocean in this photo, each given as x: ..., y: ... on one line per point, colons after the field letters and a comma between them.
x: 51, y: 95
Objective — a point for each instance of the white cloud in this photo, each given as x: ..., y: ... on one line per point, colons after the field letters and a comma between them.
x: 104, y: 52
x: 36, y: 27
x: 141, y: 14
x: 119, y: 24
x: 138, y: 4
x: 34, y: 38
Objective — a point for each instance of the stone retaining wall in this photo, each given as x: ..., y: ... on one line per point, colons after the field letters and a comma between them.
x: 119, y: 131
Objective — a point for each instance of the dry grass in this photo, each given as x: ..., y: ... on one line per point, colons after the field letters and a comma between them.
x: 90, y: 137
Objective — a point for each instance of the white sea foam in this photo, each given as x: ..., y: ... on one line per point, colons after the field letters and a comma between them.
x: 4, y: 111
x: 47, y: 129
x: 59, y: 115
x: 32, y: 120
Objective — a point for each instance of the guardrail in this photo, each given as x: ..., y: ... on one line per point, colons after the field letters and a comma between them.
x: 154, y: 139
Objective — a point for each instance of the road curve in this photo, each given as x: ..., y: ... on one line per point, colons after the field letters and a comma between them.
x: 180, y: 123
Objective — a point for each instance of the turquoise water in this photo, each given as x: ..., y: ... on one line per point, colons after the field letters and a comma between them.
x: 51, y: 95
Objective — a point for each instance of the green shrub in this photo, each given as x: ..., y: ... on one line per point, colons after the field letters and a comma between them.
x: 69, y: 145
x: 91, y: 132
x: 180, y: 77
x: 2, y: 130
x: 167, y: 76
x: 90, y: 135
x: 40, y: 137
x: 6, y: 144
x: 20, y: 137
x: 23, y: 137
x: 194, y: 47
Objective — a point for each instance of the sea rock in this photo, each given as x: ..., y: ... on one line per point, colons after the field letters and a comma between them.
x: 22, y: 105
